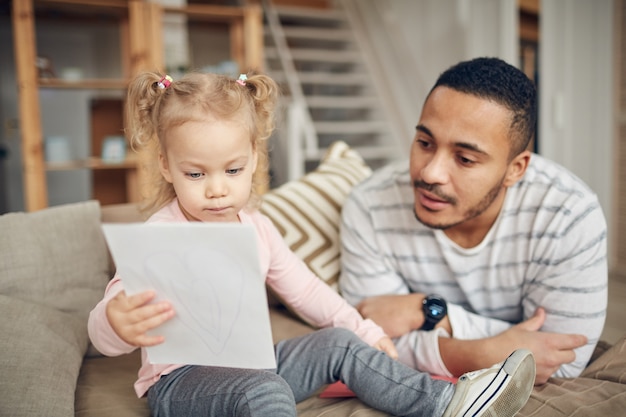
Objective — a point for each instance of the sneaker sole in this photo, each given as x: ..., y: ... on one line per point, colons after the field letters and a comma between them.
x: 517, y: 371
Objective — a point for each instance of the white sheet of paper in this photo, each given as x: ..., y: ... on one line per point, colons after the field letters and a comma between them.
x: 210, y: 273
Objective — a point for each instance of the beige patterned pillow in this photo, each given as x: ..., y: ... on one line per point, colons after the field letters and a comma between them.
x: 307, y: 211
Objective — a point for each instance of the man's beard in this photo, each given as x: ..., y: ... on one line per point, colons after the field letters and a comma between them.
x: 471, y: 213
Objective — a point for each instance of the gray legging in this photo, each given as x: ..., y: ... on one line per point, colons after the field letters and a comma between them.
x: 305, y: 364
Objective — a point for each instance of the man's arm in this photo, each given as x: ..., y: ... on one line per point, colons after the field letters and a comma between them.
x: 551, y: 350
x: 397, y: 315
x: 562, y: 346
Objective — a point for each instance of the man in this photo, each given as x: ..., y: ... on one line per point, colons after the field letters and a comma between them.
x: 507, y: 248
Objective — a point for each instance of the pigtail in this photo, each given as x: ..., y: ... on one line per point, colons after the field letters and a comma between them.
x: 264, y: 96
x: 144, y: 101
x: 142, y: 107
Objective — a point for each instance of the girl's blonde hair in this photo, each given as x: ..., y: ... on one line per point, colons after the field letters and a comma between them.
x: 153, y: 107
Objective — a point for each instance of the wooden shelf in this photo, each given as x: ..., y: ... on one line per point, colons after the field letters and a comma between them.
x: 104, y: 84
x: 141, y: 32
x: 83, y: 7
x: 92, y: 163
x: 210, y: 13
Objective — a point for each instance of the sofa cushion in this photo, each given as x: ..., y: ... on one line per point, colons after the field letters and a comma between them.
x: 307, y: 211
x: 55, y: 257
x: 53, y: 270
x: 42, y: 351
x: 599, y: 391
x: 105, y: 387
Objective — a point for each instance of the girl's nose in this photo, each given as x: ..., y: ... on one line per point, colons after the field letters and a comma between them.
x: 215, y: 188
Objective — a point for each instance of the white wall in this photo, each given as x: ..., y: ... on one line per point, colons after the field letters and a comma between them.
x: 576, y: 94
x: 417, y: 40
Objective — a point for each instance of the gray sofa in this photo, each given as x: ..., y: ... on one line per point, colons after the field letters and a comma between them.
x: 54, y: 266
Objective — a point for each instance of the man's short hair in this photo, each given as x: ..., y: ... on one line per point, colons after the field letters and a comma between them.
x: 494, y: 79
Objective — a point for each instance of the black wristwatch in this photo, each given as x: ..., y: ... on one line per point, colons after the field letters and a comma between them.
x: 435, y: 309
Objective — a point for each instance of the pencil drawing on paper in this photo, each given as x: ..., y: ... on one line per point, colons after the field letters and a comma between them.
x: 210, y: 299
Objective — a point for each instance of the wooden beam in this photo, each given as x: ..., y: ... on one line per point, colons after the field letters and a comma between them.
x: 237, y: 44
x: 253, y: 37
x: 137, y: 37
x: 35, y: 190
x: 154, y: 16
x: 146, y: 54
x: 253, y: 60
x: 146, y: 36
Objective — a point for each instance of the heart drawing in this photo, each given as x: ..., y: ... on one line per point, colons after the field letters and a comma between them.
x: 210, y: 302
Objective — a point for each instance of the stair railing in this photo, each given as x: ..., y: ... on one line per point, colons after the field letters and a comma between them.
x: 300, y: 127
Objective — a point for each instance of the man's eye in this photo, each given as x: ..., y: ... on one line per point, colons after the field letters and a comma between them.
x: 423, y: 143
x: 465, y: 161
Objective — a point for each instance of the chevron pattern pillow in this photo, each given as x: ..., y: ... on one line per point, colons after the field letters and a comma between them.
x: 307, y: 211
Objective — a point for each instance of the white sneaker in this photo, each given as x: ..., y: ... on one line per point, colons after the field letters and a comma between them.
x: 501, y: 390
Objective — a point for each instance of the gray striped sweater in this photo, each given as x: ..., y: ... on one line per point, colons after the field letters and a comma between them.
x: 547, y: 248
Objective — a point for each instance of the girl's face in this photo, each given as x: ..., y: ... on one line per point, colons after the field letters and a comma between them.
x: 210, y: 165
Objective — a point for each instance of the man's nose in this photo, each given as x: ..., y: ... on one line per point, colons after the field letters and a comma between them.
x: 436, y: 169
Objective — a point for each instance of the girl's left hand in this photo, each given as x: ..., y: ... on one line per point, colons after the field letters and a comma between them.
x: 386, y: 345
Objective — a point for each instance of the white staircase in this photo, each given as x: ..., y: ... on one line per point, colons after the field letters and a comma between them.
x: 329, y: 90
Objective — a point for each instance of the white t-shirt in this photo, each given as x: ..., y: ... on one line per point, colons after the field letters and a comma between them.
x: 546, y: 249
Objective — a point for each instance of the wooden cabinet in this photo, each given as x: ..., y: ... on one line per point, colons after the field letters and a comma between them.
x: 139, y: 29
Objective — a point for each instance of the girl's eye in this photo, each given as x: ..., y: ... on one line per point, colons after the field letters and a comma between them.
x: 194, y: 175
x: 234, y: 171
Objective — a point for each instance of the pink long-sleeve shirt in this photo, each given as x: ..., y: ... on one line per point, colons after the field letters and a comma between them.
x: 285, y: 273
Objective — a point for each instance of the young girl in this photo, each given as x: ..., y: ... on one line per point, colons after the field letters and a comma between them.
x: 207, y: 133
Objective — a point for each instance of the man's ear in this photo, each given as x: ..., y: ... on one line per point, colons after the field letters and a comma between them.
x: 164, y: 168
x: 517, y: 168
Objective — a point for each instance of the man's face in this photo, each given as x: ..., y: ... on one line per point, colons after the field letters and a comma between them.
x: 459, y: 161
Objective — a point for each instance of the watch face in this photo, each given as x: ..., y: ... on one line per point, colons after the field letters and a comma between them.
x: 436, y: 311
x: 435, y: 308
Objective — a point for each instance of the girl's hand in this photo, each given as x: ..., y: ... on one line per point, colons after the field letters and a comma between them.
x: 131, y: 317
x: 386, y: 345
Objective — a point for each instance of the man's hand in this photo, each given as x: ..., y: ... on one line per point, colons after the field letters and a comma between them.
x: 386, y: 345
x: 131, y: 317
x: 396, y: 314
x: 551, y: 350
